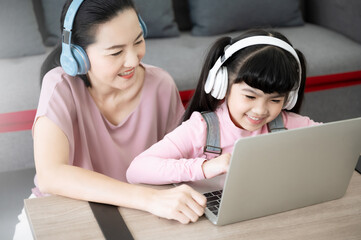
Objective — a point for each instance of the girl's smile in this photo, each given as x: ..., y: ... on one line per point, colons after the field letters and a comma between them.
x: 254, y: 120
x: 251, y: 108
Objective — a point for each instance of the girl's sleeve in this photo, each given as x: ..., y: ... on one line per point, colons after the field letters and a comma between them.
x: 178, y: 157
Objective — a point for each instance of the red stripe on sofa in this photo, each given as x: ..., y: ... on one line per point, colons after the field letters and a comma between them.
x: 186, y: 96
x: 318, y: 83
x: 17, y: 121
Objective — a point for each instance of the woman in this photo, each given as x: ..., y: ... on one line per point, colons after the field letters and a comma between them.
x: 90, y: 126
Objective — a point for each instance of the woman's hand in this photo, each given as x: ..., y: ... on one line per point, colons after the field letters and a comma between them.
x: 216, y: 166
x: 181, y: 203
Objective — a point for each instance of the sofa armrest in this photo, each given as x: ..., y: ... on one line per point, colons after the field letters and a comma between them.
x: 342, y: 16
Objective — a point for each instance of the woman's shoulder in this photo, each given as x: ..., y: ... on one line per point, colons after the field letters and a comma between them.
x: 61, y: 89
x: 56, y: 77
x: 56, y: 74
x: 294, y: 120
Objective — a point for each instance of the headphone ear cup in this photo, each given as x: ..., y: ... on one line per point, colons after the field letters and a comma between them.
x: 291, y: 100
x: 220, y: 83
x: 67, y: 61
x: 81, y: 59
x: 224, y: 85
x: 143, y: 26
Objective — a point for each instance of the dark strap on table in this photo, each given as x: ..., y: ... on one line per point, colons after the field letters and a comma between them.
x: 110, y: 221
x: 358, y: 165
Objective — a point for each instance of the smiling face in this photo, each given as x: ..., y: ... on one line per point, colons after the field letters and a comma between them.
x: 250, y: 108
x: 116, y: 53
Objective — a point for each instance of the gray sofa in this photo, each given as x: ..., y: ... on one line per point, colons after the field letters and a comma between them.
x: 178, y: 40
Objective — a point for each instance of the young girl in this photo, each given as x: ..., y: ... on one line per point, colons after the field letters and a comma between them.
x: 247, y: 81
x: 100, y: 109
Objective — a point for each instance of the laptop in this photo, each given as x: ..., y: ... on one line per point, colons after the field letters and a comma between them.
x: 280, y: 171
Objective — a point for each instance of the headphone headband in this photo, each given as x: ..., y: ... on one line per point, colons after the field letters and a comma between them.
x: 217, y: 80
x: 70, y: 14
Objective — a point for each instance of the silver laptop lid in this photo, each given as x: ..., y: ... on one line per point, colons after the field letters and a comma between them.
x: 281, y: 171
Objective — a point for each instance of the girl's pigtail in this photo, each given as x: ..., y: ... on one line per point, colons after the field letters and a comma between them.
x: 201, y: 101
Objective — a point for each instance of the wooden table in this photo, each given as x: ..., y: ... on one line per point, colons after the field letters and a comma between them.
x: 62, y: 218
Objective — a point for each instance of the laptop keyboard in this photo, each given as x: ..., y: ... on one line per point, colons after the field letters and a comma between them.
x: 213, y: 200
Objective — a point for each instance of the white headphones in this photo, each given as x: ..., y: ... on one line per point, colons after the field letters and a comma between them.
x: 217, y: 80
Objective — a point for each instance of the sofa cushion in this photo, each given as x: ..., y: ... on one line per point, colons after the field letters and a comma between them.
x: 314, y: 41
x: 16, y: 150
x: 20, y: 79
x: 333, y: 104
x: 19, y: 31
x: 182, y: 57
x: 48, y: 16
x: 331, y: 14
x: 231, y: 15
x: 159, y: 17
x: 157, y: 14
x: 326, y: 51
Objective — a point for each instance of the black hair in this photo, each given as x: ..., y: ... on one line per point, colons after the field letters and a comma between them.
x: 265, y: 67
x: 90, y: 14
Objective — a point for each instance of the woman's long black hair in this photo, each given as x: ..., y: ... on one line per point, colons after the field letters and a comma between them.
x: 90, y: 14
x: 265, y: 67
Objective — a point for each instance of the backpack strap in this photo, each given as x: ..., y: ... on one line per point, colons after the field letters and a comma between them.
x: 213, y: 143
x: 276, y: 125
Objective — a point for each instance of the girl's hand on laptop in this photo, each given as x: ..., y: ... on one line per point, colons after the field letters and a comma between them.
x: 216, y: 166
x: 181, y: 203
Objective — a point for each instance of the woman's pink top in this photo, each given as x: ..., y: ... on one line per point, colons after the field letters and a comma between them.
x: 94, y: 142
x: 179, y: 156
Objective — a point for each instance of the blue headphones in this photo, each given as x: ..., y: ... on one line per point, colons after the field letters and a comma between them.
x: 73, y: 58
